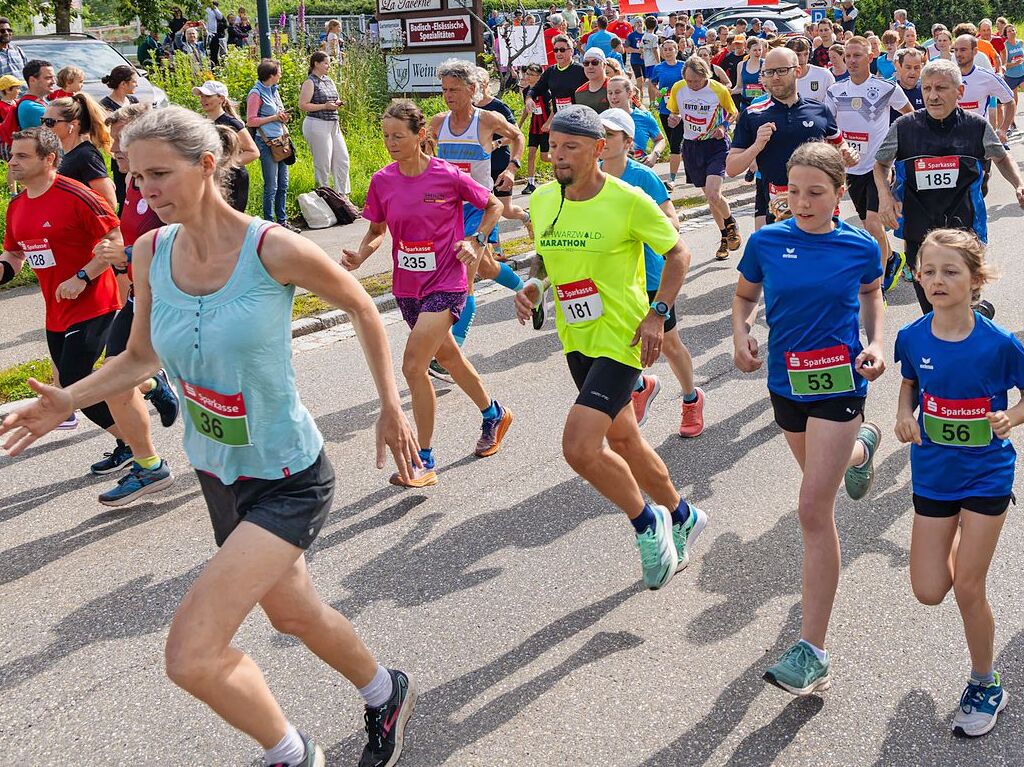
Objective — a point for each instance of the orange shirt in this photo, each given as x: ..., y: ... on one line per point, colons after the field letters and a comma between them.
x: 989, y: 50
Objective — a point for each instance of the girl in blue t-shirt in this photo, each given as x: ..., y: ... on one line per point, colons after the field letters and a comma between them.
x: 663, y: 77
x: 818, y: 374
x: 957, y: 367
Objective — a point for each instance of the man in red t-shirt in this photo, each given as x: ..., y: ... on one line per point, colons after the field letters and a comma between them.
x: 555, y: 27
x: 618, y: 27
x: 59, y: 226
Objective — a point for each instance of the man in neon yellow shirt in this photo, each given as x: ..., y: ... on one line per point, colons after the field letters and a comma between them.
x: 590, y: 231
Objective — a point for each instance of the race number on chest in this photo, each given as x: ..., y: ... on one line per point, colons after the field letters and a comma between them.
x: 961, y: 422
x: 936, y: 172
x: 416, y: 256
x: 580, y: 301
x: 38, y: 253
x: 220, y: 417
x: 821, y: 371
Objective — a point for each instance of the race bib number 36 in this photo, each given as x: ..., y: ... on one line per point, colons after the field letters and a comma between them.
x: 38, y: 254
x: 416, y: 256
x: 960, y: 422
x: 936, y: 172
x: 580, y: 301
x: 822, y: 371
x: 220, y: 417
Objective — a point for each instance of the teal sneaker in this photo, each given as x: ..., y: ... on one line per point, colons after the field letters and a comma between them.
x: 658, y: 556
x: 908, y: 274
x: 685, y: 535
x: 893, y: 269
x: 979, y: 707
x: 799, y: 672
x: 858, y: 479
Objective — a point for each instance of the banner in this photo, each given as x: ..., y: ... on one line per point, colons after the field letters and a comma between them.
x: 526, y: 44
x: 662, y: 7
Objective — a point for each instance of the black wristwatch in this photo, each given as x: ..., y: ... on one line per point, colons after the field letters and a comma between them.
x: 516, y: 163
x: 84, y: 277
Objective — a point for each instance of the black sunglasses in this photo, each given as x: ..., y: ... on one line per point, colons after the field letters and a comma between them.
x: 50, y: 122
x: 561, y: 50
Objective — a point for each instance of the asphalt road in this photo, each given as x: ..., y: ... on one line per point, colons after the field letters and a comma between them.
x: 511, y: 591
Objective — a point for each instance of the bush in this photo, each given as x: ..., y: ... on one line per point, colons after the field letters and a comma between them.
x: 877, y: 15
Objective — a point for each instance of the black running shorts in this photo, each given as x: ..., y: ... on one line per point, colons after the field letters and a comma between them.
x: 987, y: 505
x: 863, y: 193
x: 792, y: 415
x: 605, y: 384
x: 292, y: 508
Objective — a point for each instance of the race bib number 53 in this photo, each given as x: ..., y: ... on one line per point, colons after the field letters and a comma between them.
x: 220, y: 417
x: 822, y: 371
x: 580, y: 301
x: 960, y: 422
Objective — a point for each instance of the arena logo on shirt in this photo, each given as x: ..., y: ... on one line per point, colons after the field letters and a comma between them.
x: 433, y: 198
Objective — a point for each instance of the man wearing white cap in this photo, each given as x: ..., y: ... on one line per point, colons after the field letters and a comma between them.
x: 591, y: 230
x: 594, y: 92
x: 770, y: 30
x: 619, y: 131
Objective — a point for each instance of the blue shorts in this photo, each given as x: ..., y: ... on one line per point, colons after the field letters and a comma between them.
x: 1013, y: 83
x: 471, y: 218
x: 704, y: 158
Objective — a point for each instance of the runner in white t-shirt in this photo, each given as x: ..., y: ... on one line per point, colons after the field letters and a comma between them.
x: 861, y: 105
x: 812, y: 82
x: 981, y: 86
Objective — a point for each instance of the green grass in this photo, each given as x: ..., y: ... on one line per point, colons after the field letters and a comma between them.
x: 13, y: 384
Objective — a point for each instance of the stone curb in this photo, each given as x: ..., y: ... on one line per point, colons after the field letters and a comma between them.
x: 386, y: 302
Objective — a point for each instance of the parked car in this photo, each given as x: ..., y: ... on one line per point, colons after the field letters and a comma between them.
x: 93, y: 56
x: 789, y: 19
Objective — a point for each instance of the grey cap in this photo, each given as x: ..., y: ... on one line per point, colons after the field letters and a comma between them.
x: 577, y: 120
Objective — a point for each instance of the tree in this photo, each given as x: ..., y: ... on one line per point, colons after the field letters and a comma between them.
x: 513, y: 49
x: 150, y: 12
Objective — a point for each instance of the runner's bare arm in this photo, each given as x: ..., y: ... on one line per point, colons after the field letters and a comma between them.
x: 670, y: 211
x: 292, y: 259
x: 744, y: 313
x: 870, y: 362
x: 677, y: 263
x: 434, y: 129
x: 123, y: 373
x: 907, y: 428
x: 111, y: 242
x: 374, y: 236
x: 889, y: 209
x: 512, y: 137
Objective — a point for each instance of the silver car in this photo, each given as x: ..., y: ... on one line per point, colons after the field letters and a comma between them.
x: 93, y: 56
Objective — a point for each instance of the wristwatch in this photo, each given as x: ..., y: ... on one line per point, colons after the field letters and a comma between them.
x: 661, y: 308
x: 516, y: 163
x: 84, y: 277
x: 480, y: 237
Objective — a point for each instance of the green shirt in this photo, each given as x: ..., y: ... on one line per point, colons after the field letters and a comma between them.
x: 147, y: 59
x: 594, y: 257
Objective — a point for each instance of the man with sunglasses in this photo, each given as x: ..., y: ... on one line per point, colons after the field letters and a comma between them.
x: 594, y: 92
x: 771, y: 129
x: 12, y: 58
x: 558, y: 83
x: 39, y: 78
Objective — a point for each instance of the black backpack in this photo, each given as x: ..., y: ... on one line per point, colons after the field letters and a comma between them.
x: 342, y: 207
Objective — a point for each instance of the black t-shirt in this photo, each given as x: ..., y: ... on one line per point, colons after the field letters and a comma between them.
x: 84, y: 163
x: 559, y: 84
x: 730, y: 63
x: 112, y: 106
x: 238, y: 177
x: 501, y: 156
x: 230, y: 122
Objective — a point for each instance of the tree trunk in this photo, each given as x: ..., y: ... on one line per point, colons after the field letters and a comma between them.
x: 62, y: 16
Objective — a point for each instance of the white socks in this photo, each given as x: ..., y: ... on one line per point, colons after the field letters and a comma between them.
x: 379, y: 690
x: 290, y: 750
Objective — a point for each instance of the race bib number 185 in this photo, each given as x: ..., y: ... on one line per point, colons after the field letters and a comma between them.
x: 936, y: 172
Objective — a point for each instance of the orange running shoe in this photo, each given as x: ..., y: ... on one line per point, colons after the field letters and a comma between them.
x: 493, y: 432
x: 692, y: 424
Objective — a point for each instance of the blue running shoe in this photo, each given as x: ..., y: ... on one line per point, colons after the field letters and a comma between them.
x: 121, y: 457
x: 979, y: 707
x: 908, y: 274
x: 137, y: 483
x: 164, y: 399
x: 799, y: 672
x: 893, y: 269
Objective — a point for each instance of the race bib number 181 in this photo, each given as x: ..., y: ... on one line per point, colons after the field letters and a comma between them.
x: 580, y: 301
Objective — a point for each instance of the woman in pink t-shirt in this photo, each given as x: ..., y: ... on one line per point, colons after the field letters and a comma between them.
x: 419, y: 199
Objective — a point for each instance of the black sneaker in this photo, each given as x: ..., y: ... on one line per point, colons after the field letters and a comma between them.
x: 385, y: 726
x: 314, y: 756
x: 985, y: 309
x: 164, y: 399
x: 121, y: 457
x: 749, y: 177
x: 529, y: 189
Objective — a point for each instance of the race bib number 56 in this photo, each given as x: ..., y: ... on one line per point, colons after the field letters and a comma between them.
x: 580, y: 301
x: 962, y: 422
x: 220, y: 417
x: 822, y: 371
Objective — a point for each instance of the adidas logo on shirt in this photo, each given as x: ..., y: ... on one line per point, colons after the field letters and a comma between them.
x: 46, y: 225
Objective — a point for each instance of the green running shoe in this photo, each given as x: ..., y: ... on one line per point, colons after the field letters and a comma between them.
x: 657, y: 552
x: 858, y: 479
x: 685, y: 535
x: 799, y: 672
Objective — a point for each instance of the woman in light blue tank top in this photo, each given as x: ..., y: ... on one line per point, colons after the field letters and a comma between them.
x: 213, y: 304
